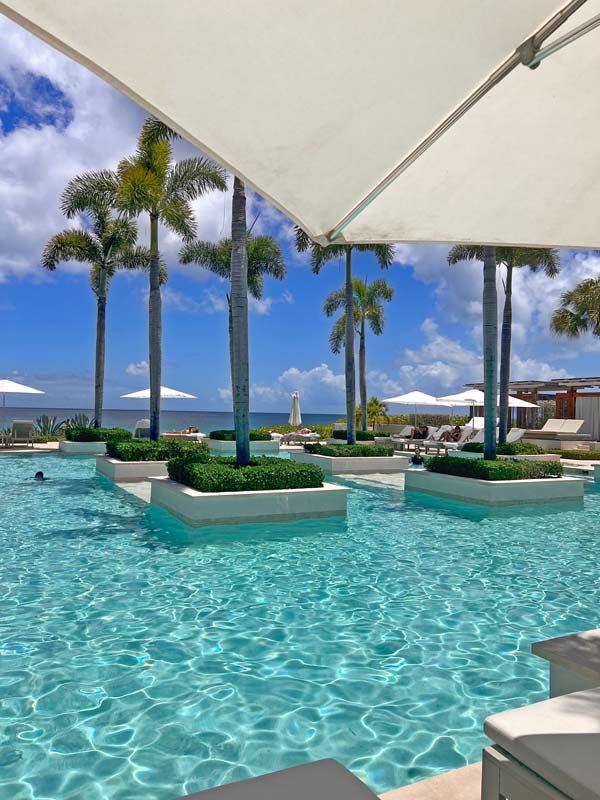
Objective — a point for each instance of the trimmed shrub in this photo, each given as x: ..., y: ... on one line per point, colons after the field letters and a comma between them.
x: 163, y: 450
x: 324, y: 431
x: 361, y: 436
x: 229, y: 436
x: 261, y: 474
x: 97, y: 434
x: 348, y: 450
x: 512, y: 449
x: 494, y: 470
x: 579, y: 455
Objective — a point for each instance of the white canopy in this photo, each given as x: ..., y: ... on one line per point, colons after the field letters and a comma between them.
x: 475, y: 397
x: 370, y: 122
x: 10, y: 387
x: 416, y: 399
x: 165, y: 393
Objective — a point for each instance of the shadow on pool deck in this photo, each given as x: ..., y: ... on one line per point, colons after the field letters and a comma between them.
x: 458, y: 784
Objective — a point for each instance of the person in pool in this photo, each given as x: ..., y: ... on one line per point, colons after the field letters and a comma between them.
x: 417, y: 458
x: 39, y: 476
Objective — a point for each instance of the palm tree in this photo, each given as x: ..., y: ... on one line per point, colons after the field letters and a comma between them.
x: 579, y: 310
x: 107, y: 244
x: 376, y: 409
x: 264, y: 259
x: 368, y: 309
x: 511, y: 258
x: 320, y: 256
x: 151, y: 183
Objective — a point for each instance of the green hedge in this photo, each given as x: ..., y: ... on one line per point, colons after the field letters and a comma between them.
x: 348, y: 450
x: 261, y: 474
x: 324, y: 431
x: 579, y: 455
x: 163, y: 450
x: 513, y: 449
x: 97, y: 434
x: 229, y: 436
x: 361, y: 436
x: 494, y: 470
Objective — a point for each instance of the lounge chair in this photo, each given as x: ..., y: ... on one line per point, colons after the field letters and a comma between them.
x: 545, y: 751
x: 323, y: 780
x: 142, y: 429
x: 22, y: 432
x: 466, y: 435
x: 515, y: 435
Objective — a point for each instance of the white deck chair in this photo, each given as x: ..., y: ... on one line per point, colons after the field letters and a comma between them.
x: 325, y: 780
x: 515, y: 435
x: 572, y: 425
x: 142, y: 429
x: 553, y: 426
x: 465, y: 436
x: 22, y: 431
x: 545, y: 751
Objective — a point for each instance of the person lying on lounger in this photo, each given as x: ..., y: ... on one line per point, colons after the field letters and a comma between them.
x: 451, y: 436
x: 419, y: 433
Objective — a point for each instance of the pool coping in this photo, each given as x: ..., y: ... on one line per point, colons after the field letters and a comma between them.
x: 353, y: 465
x: 121, y: 471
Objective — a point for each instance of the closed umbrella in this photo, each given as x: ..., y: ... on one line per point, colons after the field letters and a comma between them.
x: 10, y: 387
x: 165, y: 393
x: 295, y: 417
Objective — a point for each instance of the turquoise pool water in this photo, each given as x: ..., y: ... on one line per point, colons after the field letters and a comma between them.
x: 141, y: 659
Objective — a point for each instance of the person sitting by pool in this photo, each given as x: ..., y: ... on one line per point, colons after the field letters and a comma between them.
x: 417, y: 459
x: 419, y: 433
x: 451, y: 436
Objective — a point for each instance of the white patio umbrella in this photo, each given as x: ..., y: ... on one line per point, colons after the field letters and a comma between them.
x: 165, y: 393
x: 295, y: 417
x: 10, y: 387
x: 336, y: 151
x: 416, y: 399
x: 475, y: 397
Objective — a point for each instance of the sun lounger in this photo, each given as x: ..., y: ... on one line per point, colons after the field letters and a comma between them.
x: 142, y: 429
x: 572, y: 425
x: 515, y: 435
x: 545, y: 751
x: 465, y: 436
x: 22, y: 431
x: 322, y: 780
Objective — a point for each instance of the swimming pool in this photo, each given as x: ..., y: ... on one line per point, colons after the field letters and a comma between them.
x: 139, y: 658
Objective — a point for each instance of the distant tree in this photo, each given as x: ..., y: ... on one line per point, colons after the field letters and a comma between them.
x: 107, y: 243
x: 368, y: 310
x: 376, y: 410
x: 579, y: 310
x: 150, y: 182
x: 320, y: 256
x: 511, y: 258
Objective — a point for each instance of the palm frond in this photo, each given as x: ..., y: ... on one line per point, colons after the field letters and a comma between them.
x: 89, y: 193
x: 256, y: 285
x: 71, y: 245
x: 384, y: 253
x: 215, y: 257
x: 376, y: 319
x: 379, y: 290
x: 193, y: 177
x: 579, y: 310
x: 465, y: 252
x: 320, y: 256
x: 303, y: 240
x: 177, y: 215
x: 139, y: 190
x: 334, y: 301
x: 265, y: 257
x: 153, y: 130
x: 138, y: 258
x: 337, y: 337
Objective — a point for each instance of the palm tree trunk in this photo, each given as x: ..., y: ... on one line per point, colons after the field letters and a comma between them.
x: 490, y: 351
x: 240, y: 377
x: 100, y: 357
x: 349, y: 352
x: 362, y: 371
x: 505, y: 343
x: 154, y: 330
x: 230, y: 332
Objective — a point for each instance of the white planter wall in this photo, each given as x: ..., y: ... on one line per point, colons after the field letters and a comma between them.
x: 82, y: 448
x: 354, y: 465
x: 228, y: 448
x: 120, y: 471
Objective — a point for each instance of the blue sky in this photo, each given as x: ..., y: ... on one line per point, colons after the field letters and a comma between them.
x: 57, y: 120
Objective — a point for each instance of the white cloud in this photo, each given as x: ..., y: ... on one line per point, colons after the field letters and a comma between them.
x: 141, y: 368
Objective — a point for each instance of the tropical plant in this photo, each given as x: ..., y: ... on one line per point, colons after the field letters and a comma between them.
x: 264, y: 259
x: 511, y: 258
x: 80, y: 421
x: 104, y: 242
x: 368, y: 310
x: 48, y: 426
x: 579, y: 310
x: 150, y: 182
x: 320, y: 256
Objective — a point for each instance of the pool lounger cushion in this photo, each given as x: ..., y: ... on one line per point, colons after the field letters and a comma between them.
x: 558, y: 739
x: 319, y: 780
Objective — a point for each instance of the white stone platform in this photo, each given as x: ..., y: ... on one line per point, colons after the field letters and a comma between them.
x: 353, y: 465
x: 228, y: 448
x: 82, y: 448
x: 119, y: 471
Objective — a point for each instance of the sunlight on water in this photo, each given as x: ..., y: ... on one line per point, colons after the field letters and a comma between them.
x: 140, y: 658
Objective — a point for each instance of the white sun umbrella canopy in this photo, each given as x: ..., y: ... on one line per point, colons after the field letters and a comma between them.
x: 475, y: 397
x: 165, y: 393
x: 416, y: 399
x: 295, y: 417
x: 10, y: 387
x: 377, y: 174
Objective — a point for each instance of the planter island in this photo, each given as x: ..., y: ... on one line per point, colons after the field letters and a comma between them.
x: 218, y: 492
x: 223, y: 442
x: 495, y: 483
x: 90, y: 441
x: 351, y: 459
x: 141, y: 460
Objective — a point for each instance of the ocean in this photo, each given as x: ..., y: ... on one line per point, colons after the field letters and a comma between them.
x: 205, y: 421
